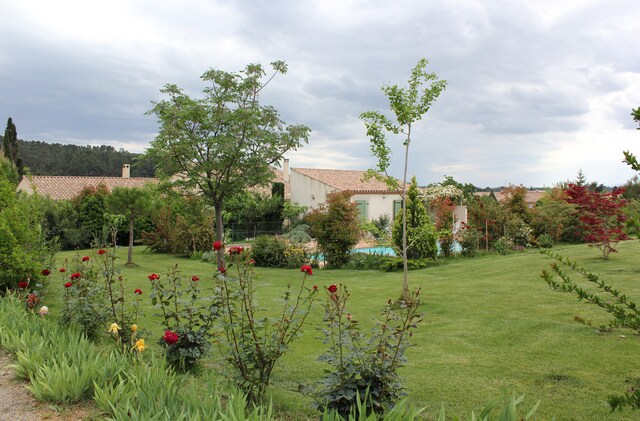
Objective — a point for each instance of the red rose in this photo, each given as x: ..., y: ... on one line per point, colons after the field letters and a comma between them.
x: 76, y: 275
x: 217, y: 245
x: 138, y: 291
x: 332, y: 288
x: 62, y: 270
x: 101, y: 252
x: 252, y: 262
x: 170, y: 337
x: 23, y: 284
x: 85, y: 259
x: 222, y: 270
x: 306, y: 269
x: 68, y: 284
x: 194, y: 278
x: 236, y: 249
x: 45, y: 272
x: 154, y: 277
x: 315, y: 287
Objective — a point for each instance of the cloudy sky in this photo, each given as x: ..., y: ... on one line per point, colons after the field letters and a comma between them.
x: 537, y: 89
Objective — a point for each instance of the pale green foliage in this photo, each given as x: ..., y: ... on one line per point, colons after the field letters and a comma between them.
x: 630, y: 158
x: 61, y: 363
x: 154, y: 391
x: 9, y: 170
x: 408, y: 105
x: 24, y: 252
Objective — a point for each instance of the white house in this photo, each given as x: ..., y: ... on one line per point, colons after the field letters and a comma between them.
x: 310, y: 186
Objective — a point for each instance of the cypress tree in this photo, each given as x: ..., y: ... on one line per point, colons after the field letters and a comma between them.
x: 421, y: 234
x: 10, y: 145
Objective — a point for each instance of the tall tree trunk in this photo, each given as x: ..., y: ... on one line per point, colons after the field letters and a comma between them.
x: 405, y: 263
x: 130, y: 254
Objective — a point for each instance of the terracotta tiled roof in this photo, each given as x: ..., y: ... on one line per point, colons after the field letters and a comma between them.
x: 345, y: 180
x: 67, y: 187
x: 531, y: 197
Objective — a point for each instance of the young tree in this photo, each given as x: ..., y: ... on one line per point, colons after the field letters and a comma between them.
x: 515, y: 203
x: 226, y: 141
x: 417, y: 234
x: 89, y: 206
x: 132, y: 203
x: 552, y: 215
x: 408, y: 105
x: 602, y: 216
x: 336, y: 227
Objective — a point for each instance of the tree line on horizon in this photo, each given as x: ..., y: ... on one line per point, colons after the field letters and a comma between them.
x: 42, y: 158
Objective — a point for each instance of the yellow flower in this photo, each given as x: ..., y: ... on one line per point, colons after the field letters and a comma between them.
x: 134, y: 328
x: 140, y: 346
x: 114, y: 328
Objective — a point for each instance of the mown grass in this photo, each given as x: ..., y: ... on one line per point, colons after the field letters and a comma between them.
x: 492, y: 327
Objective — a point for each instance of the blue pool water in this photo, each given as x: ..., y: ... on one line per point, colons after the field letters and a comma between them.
x: 381, y: 251
x: 388, y: 251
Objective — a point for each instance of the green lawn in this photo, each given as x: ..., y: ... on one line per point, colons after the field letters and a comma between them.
x: 492, y: 326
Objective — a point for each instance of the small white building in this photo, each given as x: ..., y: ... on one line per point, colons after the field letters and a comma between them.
x: 310, y: 186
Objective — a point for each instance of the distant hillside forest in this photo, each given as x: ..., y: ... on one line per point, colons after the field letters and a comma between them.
x: 103, y: 161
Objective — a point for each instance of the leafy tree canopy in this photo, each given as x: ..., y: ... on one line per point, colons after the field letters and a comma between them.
x: 226, y: 141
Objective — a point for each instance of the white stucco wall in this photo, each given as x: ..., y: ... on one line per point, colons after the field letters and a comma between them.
x: 379, y: 204
x: 306, y: 191
x: 309, y: 192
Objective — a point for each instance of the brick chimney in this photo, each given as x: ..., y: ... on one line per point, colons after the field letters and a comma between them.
x: 126, y: 171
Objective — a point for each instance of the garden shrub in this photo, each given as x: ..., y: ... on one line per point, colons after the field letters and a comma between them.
x: 298, y: 234
x: 364, y: 367
x: 296, y: 257
x: 545, y: 241
x: 187, y: 318
x: 366, y: 261
x: 503, y: 245
x: 392, y: 264
x: 518, y: 231
x: 269, y: 251
x: 469, y: 240
x: 251, y: 342
x: 24, y: 251
x: 446, y: 242
x: 336, y: 227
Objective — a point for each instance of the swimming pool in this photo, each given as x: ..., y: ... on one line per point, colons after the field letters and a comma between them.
x: 388, y: 251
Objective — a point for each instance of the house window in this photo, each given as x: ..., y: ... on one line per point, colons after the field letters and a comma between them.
x: 363, y: 209
x: 397, y: 208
